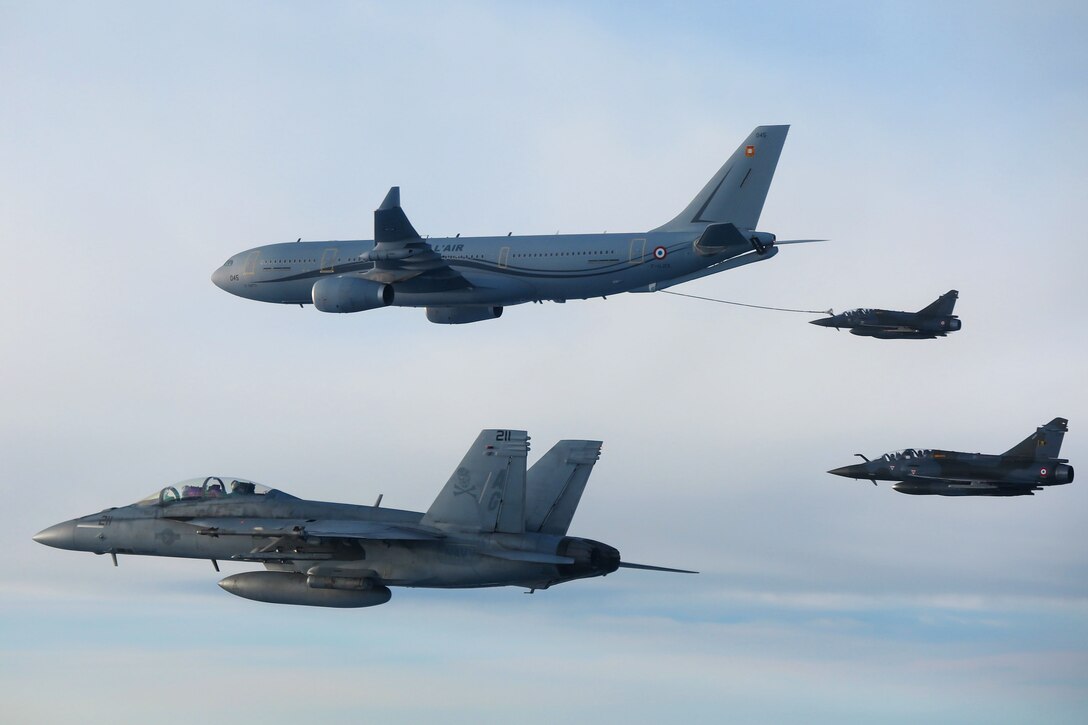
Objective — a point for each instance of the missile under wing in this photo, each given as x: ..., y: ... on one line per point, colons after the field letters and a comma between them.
x: 933, y: 320
x: 1020, y: 471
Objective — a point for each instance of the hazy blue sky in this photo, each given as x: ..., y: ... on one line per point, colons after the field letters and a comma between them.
x: 938, y: 145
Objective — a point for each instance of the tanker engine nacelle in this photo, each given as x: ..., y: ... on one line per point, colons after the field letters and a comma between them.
x: 350, y: 294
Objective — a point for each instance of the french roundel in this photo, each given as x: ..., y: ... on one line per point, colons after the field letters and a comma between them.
x: 1042, y: 472
x: 660, y: 252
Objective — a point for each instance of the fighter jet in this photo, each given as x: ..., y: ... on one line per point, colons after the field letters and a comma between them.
x: 494, y: 524
x: 933, y: 320
x: 468, y: 279
x: 1019, y: 471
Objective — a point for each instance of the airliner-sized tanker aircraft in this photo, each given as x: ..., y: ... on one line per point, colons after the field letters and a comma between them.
x: 495, y: 523
x: 468, y: 279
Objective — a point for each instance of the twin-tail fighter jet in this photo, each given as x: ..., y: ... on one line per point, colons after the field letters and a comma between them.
x: 468, y: 279
x: 1020, y: 471
x: 494, y: 524
x: 933, y: 320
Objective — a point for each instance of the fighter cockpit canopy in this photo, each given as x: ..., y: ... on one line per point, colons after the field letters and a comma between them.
x: 204, y: 488
x: 905, y: 453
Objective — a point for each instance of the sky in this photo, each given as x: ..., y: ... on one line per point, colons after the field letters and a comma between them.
x: 936, y: 145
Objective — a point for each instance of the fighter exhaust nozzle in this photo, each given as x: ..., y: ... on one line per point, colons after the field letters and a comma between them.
x: 1062, y: 474
x: 277, y: 587
x: 591, y: 558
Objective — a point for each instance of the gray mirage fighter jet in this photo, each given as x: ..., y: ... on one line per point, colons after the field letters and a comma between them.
x: 933, y: 320
x: 468, y: 279
x: 494, y: 524
x: 1019, y: 471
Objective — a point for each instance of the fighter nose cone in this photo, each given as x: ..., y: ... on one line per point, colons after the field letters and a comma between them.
x: 847, y: 471
x: 60, y: 536
x: 823, y: 322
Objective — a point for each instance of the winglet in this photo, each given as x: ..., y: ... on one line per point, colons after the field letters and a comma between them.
x: 392, y: 199
x: 390, y: 222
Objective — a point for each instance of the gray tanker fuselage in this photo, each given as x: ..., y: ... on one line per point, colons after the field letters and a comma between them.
x: 500, y: 270
x: 467, y: 279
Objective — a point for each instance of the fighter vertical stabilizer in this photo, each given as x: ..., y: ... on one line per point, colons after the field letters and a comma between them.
x: 1044, y: 444
x: 487, y: 491
x: 555, y: 483
x: 942, y: 306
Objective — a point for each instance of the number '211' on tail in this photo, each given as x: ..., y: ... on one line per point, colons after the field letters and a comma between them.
x: 491, y: 490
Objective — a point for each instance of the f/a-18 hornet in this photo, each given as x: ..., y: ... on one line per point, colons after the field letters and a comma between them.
x: 468, y: 279
x: 494, y: 524
x: 1019, y: 471
x: 933, y: 320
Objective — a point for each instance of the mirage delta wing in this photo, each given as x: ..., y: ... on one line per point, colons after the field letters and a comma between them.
x: 933, y: 320
x: 1020, y: 471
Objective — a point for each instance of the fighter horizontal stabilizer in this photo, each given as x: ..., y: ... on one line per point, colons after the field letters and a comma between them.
x: 647, y: 567
x: 486, y: 492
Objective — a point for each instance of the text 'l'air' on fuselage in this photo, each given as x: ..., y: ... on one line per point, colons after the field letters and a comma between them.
x: 467, y: 279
